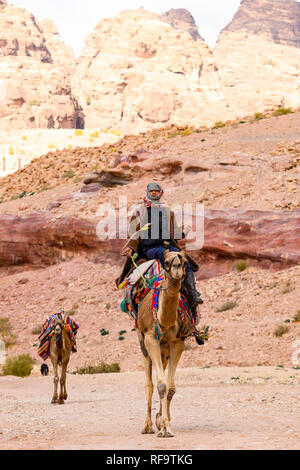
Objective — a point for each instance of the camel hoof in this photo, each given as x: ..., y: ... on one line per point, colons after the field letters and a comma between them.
x: 165, y: 434
x: 147, y: 431
x: 54, y: 401
x: 65, y: 397
x: 61, y: 401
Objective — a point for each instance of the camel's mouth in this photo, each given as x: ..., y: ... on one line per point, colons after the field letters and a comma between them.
x: 177, y: 277
x: 57, y: 330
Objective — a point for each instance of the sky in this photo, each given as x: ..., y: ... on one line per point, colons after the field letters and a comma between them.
x: 76, y: 19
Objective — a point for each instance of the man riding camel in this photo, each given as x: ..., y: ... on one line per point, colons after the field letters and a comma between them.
x: 161, y: 227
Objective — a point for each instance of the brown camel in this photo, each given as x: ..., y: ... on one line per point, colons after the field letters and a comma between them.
x: 169, y: 348
x: 60, y: 350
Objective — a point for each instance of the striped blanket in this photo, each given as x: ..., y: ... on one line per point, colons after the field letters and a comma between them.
x: 48, y: 331
x: 134, y: 295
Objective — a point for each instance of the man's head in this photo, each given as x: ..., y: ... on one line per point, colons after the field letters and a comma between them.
x: 154, y: 191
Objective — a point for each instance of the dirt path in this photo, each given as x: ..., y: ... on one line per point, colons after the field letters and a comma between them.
x: 214, y: 408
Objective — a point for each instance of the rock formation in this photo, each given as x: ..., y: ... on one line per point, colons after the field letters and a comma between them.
x: 34, y: 91
x: 279, y: 19
x: 180, y: 18
x: 141, y: 71
x: 62, y: 55
x: 270, y: 238
x: 258, y: 56
x: 138, y: 72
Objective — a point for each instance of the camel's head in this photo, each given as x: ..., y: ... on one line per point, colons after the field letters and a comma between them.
x: 58, y: 327
x: 175, y: 264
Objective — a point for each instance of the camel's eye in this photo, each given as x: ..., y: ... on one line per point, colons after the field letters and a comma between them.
x: 167, y: 265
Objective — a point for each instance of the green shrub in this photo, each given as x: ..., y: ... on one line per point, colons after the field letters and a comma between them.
x: 287, y: 288
x: 219, y: 124
x: 241, y: 265
x: 104, y: 332
x: 187, y: 131
x: 20, y: 366
x: 35, y: 103
x: 258, y: 116
x: 280, y: 330
x: 68, y: 174
x: 227, y: 306
x: 37, y: 330
x: 88, y: 100
x: 6, y: 333
x: 297, y: 316
x: 171, y: 135
x: 78, y: 132
x: 281, y: 111
x: 100, y: 369
x: 18, y: 196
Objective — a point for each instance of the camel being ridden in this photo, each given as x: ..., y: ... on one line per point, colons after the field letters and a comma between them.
x: 169, y: 348
x: 60, y: 351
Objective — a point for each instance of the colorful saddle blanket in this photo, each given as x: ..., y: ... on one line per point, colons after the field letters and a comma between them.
x: 48, y: 331
x: 134, y: 294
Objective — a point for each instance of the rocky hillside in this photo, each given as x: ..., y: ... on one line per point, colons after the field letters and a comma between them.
x: 170, y: 76
x: 161, y: 73
x: 157, y: 75
x: 35, y: 90
x: 279, y: 19
x: 246, y: 176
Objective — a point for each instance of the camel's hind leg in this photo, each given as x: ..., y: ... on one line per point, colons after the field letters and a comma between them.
x: 153, y: 348
x: 176, y: 349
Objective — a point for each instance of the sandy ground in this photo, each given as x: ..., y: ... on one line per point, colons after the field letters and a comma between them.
x: 214, y: 408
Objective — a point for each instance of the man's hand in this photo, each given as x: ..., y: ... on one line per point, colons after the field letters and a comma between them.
x: 127, y: 252
x: 186, y: 230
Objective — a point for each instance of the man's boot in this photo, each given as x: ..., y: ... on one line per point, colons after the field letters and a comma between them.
x: 190, y: 291
x: 74, y: 349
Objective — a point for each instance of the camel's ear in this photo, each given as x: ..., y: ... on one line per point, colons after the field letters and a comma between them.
x: 167, y: 246
x: 184, y: 257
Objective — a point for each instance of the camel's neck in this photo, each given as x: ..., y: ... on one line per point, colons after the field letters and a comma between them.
x: 168, y: 303
x: 59, y: 342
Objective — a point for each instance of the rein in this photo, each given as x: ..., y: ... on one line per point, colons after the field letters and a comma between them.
x: 159, y: 288
x: 164, y: 288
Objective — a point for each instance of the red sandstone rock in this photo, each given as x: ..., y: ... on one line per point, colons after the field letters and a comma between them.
x: 270, y: 239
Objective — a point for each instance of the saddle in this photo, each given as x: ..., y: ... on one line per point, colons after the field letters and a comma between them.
x: 148, y: 277
x: 48, y: 331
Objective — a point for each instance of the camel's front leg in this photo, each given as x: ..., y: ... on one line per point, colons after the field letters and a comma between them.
x: 149, y: 391
x: 176, y: 349
x: 63, y: 393
x: 55, y: 380
x: 153, y: 348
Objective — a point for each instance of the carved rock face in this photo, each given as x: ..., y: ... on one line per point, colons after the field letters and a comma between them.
x: 35, y: 91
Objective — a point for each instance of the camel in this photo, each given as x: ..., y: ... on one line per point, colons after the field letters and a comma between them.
x: 166, y: 350
x: 60, y: 350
